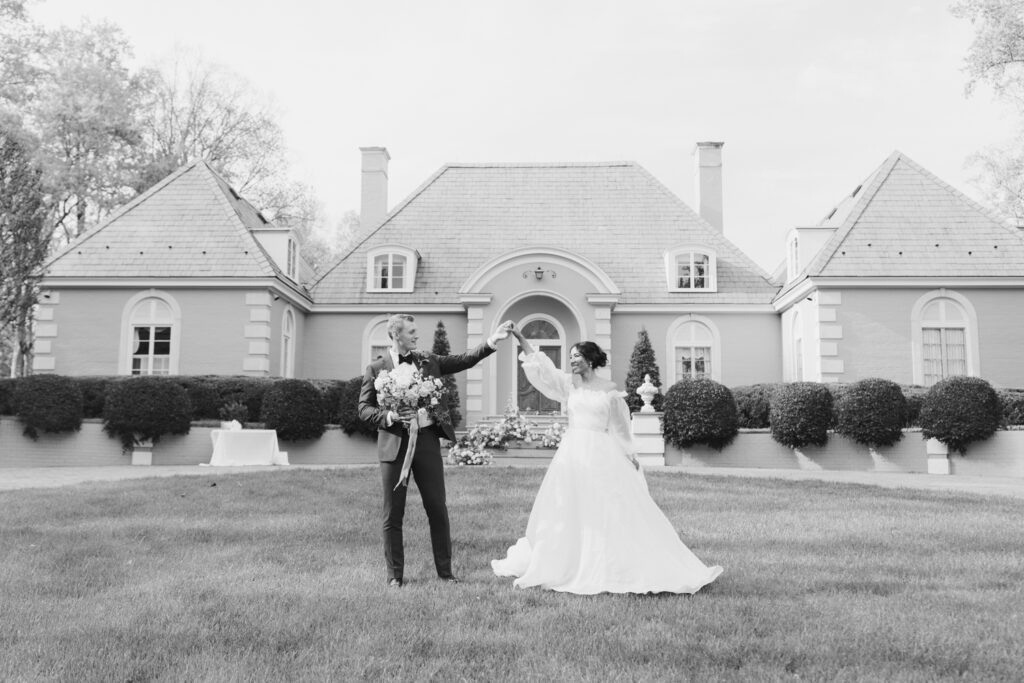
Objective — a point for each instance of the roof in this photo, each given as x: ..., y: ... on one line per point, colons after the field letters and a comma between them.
x: 905, y: 222
x: 191, y: 224
x: 614, y: 214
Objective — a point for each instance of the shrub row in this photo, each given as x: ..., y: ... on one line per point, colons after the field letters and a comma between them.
x: 957, y: 411
x: 145, y: 408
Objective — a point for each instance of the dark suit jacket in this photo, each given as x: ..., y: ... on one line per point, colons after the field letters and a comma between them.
x: 389, y: 439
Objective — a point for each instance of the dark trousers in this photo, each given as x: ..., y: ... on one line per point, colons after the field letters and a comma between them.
x: 428, y: 473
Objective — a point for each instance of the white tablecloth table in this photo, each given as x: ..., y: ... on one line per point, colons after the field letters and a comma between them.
x: 233, y: 448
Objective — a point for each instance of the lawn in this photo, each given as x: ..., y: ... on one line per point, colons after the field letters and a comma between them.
x: 279, y: 576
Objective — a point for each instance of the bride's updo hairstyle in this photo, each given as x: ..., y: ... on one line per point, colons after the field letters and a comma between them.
x: 592, y: 353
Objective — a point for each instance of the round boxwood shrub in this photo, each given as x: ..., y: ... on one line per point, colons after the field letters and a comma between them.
x: 959, y: 411
x: 7, y: 388
x: 871, y: 412
x: 48, y: 403
x: 1012, y: 401
x: 295, y: 408
x: 753, y: 403
x: 915, y: 400
x: 801, y: 414
x: 699, y: 411
x: 146, y: 408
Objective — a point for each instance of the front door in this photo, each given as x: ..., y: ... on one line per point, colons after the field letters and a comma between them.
x: 531, y: 400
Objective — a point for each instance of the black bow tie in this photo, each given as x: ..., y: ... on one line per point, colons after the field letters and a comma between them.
x: 406, y: 358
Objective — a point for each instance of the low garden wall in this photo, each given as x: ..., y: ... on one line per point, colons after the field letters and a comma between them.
x: 92, y: 447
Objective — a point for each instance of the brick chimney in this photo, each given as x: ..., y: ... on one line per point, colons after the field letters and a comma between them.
x: 374, y: 202
x: 708, y: 178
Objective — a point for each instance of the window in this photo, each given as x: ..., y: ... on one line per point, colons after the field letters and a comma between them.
x: 691, y: 270
x: 692, y: 352
x: 293, y: 257
x: 378, y: 341
x: 945, y: 337
x: 150, y: 335
x: 545, y: 337
x: 288, y: 344
x: 391, y: 269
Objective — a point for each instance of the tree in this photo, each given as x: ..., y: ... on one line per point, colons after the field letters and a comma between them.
x: 24, y: 242
x: 443, y: 348
x: 19, y: 44
x: 996, y: 58
x: 196, y: 109
x: 642, y: 362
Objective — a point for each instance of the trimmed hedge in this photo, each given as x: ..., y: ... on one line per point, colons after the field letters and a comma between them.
x: 348, y: 410
x: 1012, y: 401
x: 7, y: 388
x: 959, y: 411
x: 801, y: 414
x: 146, y: 408
x: 753, y: 404
x: 48, y: 403
x: 295, y: 408
x: 871, y: 412
x: 699, y: 411
x: 94, y: 394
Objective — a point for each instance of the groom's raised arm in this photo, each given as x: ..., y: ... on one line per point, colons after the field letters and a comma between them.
x: 449, y: 365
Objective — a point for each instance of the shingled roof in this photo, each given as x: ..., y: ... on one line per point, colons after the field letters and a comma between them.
x: 905, y: 222
x: 615, y: 214
x: 191, y: 224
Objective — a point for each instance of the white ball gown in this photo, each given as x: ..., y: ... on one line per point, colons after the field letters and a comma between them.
x: 594, y: 527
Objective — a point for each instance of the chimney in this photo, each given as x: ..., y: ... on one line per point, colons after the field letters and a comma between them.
x: 374, y: 202
x: 708, y: 180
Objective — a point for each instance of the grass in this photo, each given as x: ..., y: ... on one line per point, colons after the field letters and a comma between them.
x: 279, y: 576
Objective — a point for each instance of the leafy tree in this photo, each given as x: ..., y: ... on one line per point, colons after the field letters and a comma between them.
x: 24, y: 241
x: 443, y: 348
x: 19, y: 41
x: 996, y: 58
x: 642, y: 362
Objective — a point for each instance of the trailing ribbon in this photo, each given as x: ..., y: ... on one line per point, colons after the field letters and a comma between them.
x: 414, y: 428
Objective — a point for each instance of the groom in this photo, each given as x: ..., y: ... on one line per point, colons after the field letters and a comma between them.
x: 393, y: 437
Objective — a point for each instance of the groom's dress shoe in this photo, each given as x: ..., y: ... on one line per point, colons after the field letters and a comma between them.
x: 450, y: 579
x: 394, y: 583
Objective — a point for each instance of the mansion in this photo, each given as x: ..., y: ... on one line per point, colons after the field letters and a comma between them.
x: 906, y: 278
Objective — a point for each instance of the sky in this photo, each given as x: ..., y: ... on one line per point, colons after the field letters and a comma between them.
x: 808, y: 96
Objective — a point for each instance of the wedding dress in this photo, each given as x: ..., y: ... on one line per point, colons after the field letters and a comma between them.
x: 594, y: 528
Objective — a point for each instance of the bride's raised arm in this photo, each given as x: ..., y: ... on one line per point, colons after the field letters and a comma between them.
x: 541, y: 372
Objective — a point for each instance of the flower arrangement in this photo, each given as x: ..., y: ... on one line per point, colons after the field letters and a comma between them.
x: 552, y: 436
x: 405, y: 387
x: 465, y: 451
x: 514, y: 426
x: 234, y: 410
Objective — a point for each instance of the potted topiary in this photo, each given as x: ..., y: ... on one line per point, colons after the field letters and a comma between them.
x: 958, y: 411
x: 699, y: 411
x: 234, y: 411
x: 140, y: 410
x: 872, y: 412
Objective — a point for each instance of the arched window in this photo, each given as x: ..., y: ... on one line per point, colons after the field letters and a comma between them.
x: 377, y: 341
x: 695, y: 349
x: 288, y: 344
x: 944, y: 328
x: 391, y: 268
x: 150, y: 335
x: 691, y: 269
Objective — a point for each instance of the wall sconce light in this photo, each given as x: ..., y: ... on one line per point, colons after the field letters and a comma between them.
x: 538, y: 273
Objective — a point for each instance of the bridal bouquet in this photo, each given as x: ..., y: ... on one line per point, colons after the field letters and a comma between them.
x: 405, y: 387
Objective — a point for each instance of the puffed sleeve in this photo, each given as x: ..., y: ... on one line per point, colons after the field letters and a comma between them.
x: 619, y: 422
x: 545, y: 377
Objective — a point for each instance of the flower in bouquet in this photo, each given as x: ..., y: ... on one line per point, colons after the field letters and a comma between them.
x: 406, y: 387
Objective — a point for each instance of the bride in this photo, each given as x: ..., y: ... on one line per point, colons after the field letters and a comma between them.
x: 594, y: 527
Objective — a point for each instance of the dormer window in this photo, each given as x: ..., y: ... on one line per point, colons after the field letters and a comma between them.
x: 293, y: 259
x: 691, y: 269
x: 391, y: 269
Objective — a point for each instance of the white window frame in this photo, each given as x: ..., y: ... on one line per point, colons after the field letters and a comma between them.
x: 288, y: 343
x: 671, y: 345
x: 969, y: 324
x: 124, y: 359
x: 411, y: 257
x: 672, y: 258
x: 293, y: 260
